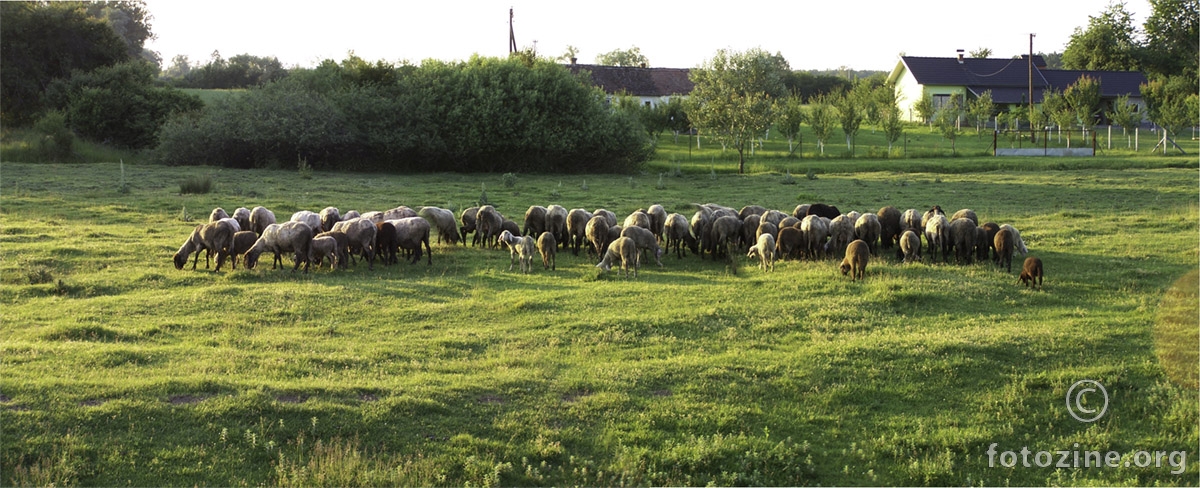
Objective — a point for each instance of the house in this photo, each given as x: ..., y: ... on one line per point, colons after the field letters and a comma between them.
x: 650, y: 85
x: 1009, y: 80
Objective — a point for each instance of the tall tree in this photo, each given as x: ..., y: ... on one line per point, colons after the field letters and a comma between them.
x: 734, y: 96
x: 1171, y: 103
x: 1109, y: 42
x: 1058, y: 110
x: 1083, y: 97
x: 1173, y: 38
x: 130, y: 19
x: 851, y: 106
x: 631, y: 57
x: 887, y: 98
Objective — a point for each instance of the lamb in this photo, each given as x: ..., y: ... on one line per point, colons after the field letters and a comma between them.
x: 548, y: 248
x: 965, y: 213
x: 624, y: 249
x: 577, y: 222
x: 535, y: 221
x: 868, y: 229
x: 828, y: 211
x: 910, y: 246
x: 814, y: 232
x: 726, y: 232
x: 610, y: 217
x: 1031, y: 272
x: 597, y: 235
x: 765, y: 251
x: 216, y: 236
x: 260, y: 218
x: 911, y: 220
x: 1018, y: 243
x: 638, y: 218
x: 521, y: 248
x: 488, y: 223
x: 242, y: 216
x: 311, y: 219
x: 1004, y: 248
x: 385, y: 242
x: 411, y: 233
x: 678, y: 233
x: 362, y: 233
x: 962, y: 239
x: 841, y: 232
x: 937, y: 235
x: 291, y: 236
x: 467, y: 219
x: 443, y: 220
x: 889, y: 226
x: 556, y: 223
x: 658, y: 220
x: 857, y: 255
x: 343, y: 245
x: 789, y: 243
x: 217, y: 214
x: 329, y: 216
x: 321, y: 248
x: 242, y: 242
x: 645, y: 240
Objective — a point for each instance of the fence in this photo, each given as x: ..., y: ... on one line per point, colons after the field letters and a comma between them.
x: 1045, y: 142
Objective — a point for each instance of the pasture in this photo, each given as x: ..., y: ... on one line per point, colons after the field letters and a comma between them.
x: 119, y: 369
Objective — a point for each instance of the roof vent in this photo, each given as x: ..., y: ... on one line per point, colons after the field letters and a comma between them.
x: 960, y: 56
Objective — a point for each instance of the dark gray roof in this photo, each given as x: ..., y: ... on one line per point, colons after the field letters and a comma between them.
x: 1112, y: 83
x: 1008, y: 79
x: 647, y: 82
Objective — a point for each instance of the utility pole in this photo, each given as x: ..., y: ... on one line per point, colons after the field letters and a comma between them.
x: 1031, y: 129
x: 512, y: 38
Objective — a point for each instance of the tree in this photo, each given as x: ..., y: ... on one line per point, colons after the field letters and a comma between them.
x: 1083, y: 97
x: 980, y: 109
x: 808, y: 85
x: 1053, y: 60
x: 982, y: 52
x: 890, y: 120
x: 1173, y: 38
x: 1108, y: 43
x: 947, y: 120
x: 1057, y: 109
x: 734, y: 96
x: 1170, y: 103
x: 631, y: 57
x: 924, y: 108
x: 571, y: 54
x: 1126, y: 115
x: 677, y: 117
x: 791, y: 115
x: 130, y: 19
x: 822, y: 115
x: 851, y: 112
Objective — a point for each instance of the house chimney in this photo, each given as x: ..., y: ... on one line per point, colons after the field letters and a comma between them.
x: 960, y: 56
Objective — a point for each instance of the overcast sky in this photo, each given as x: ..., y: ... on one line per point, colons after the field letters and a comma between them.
x: 811, y: 34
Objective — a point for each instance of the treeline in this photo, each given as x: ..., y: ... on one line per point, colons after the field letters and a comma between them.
x: 241, y: 71
x: 486, y: 114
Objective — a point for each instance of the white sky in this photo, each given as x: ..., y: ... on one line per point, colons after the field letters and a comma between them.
x: 811, y: 34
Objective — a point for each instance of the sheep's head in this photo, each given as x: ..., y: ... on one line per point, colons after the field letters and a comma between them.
x: 180, y: 260
x: 845, y: 268
x: 249, y: 260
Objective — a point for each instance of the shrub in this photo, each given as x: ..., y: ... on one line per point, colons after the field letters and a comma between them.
x: 196, y: 185
x: 510, y: 180
x: 57, y: 142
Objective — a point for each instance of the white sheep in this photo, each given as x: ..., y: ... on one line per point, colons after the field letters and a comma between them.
x: 937, y: 235
x: 312, y: 219
x: 217, y: 214
x: 443, y: 220
x: 625, y: 250
x: 1018, y: 243
x: 329, y: 215
x: 260, y: 218
x: 292, y: 236
x: 321, y: 248
x: 645, y: 240
x: 521, y: 248
x: 765, y: 251
x: 242, y: 215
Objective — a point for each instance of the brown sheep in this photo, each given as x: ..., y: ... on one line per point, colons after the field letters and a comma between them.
x: 962, y: 239
x: 467, y: 219
x: 857, y: 256
x: 288, y: 237
x: 625, y: 250
x: 678, y: 234
x: 548, y: 248
x: 750, y: 229
x: 910, y: 246
x: 638, y: 218
x: 749, y: 210
x: 610, y: 217
x: 788, y: 221
x: 343, y: 245
x: 699, y: 224
x: 1004, y: 249
x: 614, y: 232
x: 385, y: 242
x: 260, y: 218
x: 556, y: 223
x: 535, y: 221
x: 789, y: 243
x: 213, y: 236
x: 411, y: 233
x: 242, y: 242
x: 597, y: 235
x: 801, y: 211
x: 991, y: 228
x: 1031, y: 272
x: 577, y: 222
x: 645, y: 241
x: 217, y: 214
x: 889, y: 226
x: 981, y: 244
x: 765, y: 228
x: 966, y: 213
x: 726, y: 234
x: 489, y: 224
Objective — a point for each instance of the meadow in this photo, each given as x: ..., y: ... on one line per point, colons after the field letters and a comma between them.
x: 119, y: 369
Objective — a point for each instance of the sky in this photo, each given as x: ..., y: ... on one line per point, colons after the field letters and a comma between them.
x: 824, y: 34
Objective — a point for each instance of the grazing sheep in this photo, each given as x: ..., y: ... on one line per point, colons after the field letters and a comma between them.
x: 765, y: 228
x: 765, y: 251
x: 1031, y: 272
x: 610, y: 217
x: 535, y: 221
x: 362, y: 233
x: 773, y: 216
x: 981, y: 244
x: 288, y: 237
x: 217, y: 214
x: 385, y: 243
x: 934, y: 210
x: 260, y: 218
x: 788, y: 221
x: 577, y: 222
x: 749, y: 210
x: 614, y: 232
x: 242, y: 242
x: 726, y: 233
x: 511, y: 227
x: 411, y: 233
x: 343, y: 245
x: 814, y: 231
x: 401, y: 212
x: 937, y: 235
x: 789, y: 243
x: 624, y: 249
x: 853, y: 215
x: 597, y: 235
x: 828, y: 211
x: 910, y: 246
x: 329, y: 216
x: 556, y: 223
x: 841, y: 232
x: 548, y: 248
x: 645, y: 240
x: 311, y: 219
x: 237, y: 227
x: 801, y: 211
x: 467, y: 219
x: 521, y: 248
x: 321, y: 248
x: 637, y: 218
x: 911, y: 220
x: 678, y: 233
x: 374, y: 216
x: 750, y: 229
x: 889, y: 226
x: 868, y: 229
x: 966, y: 213
x: 1004, y: 248
x: 353, y: 214
x: 213, y: 236
x: 1018, y: 243
x: 962, y: 239
x: 857, y: 256
x: 991, y: 228
x: 242, y: 216
x: 488, y: 223
x: 699, y: 224
x: 443, y: 221
x: 658, y: 219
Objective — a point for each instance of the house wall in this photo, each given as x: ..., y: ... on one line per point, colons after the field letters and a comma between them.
x: 909, y: 92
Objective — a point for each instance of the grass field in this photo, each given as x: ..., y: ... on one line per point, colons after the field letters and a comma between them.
x: 120, y: 370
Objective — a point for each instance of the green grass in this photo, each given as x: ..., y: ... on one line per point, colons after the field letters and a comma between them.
x: 119, y: 369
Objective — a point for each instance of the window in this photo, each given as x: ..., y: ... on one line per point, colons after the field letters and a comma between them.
x: 940, y: 101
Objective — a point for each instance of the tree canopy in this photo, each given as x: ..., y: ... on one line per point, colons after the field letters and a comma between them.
x: 631, y: 57
x: 734, y: 96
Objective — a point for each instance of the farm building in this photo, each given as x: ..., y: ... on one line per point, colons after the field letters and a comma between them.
x: 650, y: 85
x: 1007, y: 79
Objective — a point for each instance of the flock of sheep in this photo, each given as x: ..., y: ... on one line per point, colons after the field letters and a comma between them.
x: 812, y: 231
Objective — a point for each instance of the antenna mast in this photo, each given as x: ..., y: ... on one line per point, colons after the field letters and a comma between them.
x: 512, y: 38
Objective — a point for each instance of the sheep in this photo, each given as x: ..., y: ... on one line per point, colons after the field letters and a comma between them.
x: 765, y: 251
x: 911, y: 220
x: 725, y: 233
x: 827, y: 211
x: 678, y: 233
x: 443, y: 220
x: 1031, y: 272
x: 401, y: 212
x: 411, y: 233
x: 788, y: 221
x: 353, y: 214
x: 801, y: 211
x: 362, y: 233
x: 645, y: 240
x: 789, y: 243
x: 260, y: 218
x: 488, y: 224
x: 889, y: 226
x: 577, y: 221
x: 242, y: 242
x: 750, y: 229
x: 521, y: 248
x: 699, y: 224
x: 749, y: 210
x: 556, y: 223
x: 535, y: 221
x: 292, y: 236
x: 965, y: 213
x: 765, y: 228
x: 937, y: 235
x: 853, y: 215
x: 910, y: 246
x: 774, y: 217
x: 311, y: 219
x: 597, y: 235
x: 981, y: 243
x: 868, y: 229
x: 624, y: 249
x: 658, y: 219
x: 237, y: 227
x: 242, y: 216
x: 857, y: 256
x: 638, y: 218
x: 467, y: 219
x: 321, y: 248
x: 934, y: 210
x: 962, y: 239
x: 216, y: 236
x: 1004, y: 248
x: 385, y: 242
x: 610, y: 217
x: 374, y: 216
x: 1018, y: 243
x: 329, y: 216
x: 548, y: 248
x: 614, y: 232
x: 813, y: 233
x: 217, y: 214
x: 991, y: 228
x: 841, y: 232
x: 511, y: 227
x: 343, y: 245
